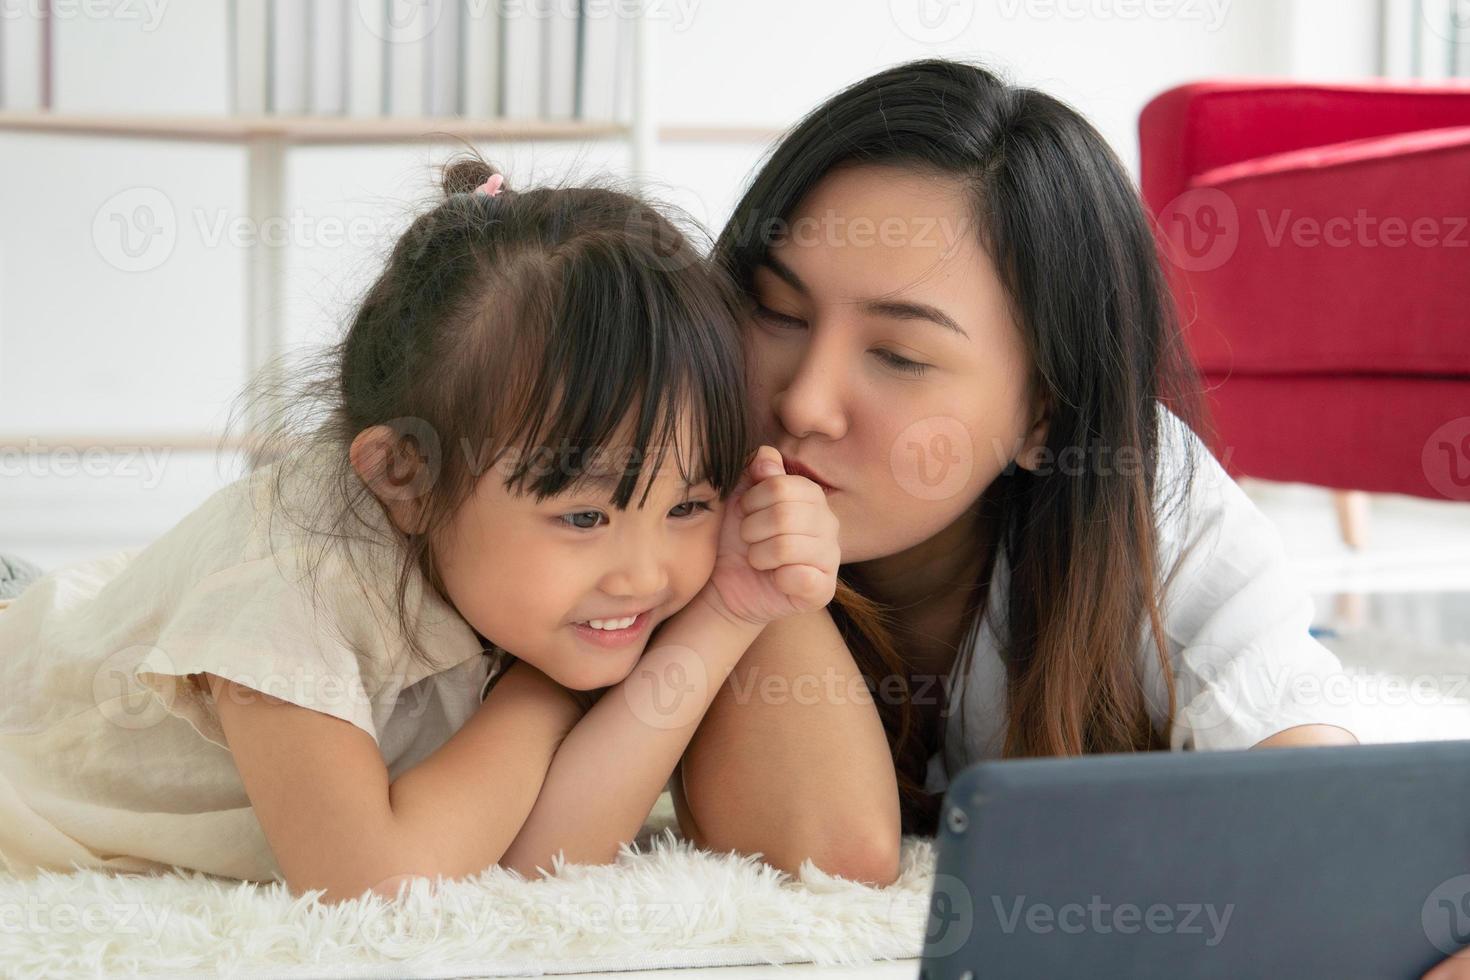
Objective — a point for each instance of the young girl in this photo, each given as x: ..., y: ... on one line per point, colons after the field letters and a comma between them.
x: 958, y: 324
x: 358, y: 663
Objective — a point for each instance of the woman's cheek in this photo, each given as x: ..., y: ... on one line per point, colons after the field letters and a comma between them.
x: 764, y: 371
x: 932, y: 458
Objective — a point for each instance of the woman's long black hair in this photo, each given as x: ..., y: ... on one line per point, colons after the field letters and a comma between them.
x: 1070, y: 239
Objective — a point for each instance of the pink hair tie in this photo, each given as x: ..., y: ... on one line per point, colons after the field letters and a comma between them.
x: 492, y: 185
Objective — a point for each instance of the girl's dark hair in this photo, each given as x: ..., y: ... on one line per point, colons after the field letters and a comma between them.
x: 520, y: 331
x: 1064, y: 225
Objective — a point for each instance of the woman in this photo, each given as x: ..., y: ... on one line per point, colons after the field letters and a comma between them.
x: 958, y: 324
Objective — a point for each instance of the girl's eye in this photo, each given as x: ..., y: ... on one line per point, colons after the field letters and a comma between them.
x: 698, y: 506
x: 571, y: 519
x: 783, y: 320
x: 587, y: 520
x: 899, y: 363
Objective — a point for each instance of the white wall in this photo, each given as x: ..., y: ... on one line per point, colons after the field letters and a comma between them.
x: 87, y: 346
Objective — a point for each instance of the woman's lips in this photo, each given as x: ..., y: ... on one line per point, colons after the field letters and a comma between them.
x: 797, y: 468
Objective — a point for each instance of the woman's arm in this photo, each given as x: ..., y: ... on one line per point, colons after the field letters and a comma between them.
x: 1307, y: 735
x: 792, y: 761
x: 320, y: 788
x: 1457, y: 967
x: 619, y: 756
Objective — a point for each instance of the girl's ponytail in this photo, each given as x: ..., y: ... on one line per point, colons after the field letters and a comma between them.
x: 463, y: 175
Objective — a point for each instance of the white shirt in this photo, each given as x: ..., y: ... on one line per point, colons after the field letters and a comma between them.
x: 1236, y: 620
x: 112, y: 756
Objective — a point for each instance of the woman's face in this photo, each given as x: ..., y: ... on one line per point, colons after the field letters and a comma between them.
x: 884, y: 359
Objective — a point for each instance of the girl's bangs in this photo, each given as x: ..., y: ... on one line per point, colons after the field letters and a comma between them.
x: 630, y: 374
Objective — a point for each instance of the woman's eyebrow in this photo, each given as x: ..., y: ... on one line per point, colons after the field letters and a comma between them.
x: 909, y: 310
x: 891, y: 308
x: 785, y: 272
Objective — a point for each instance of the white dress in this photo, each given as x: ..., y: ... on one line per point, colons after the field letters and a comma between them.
x: 1236, y: 620
x: 111, y: 754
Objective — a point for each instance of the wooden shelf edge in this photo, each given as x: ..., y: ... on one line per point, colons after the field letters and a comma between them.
x: 307, y: 129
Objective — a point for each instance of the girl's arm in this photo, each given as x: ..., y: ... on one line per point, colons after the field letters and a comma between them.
x: 777, y: 558
x: 320, y: 788
x: 792, y: 761
x: 611, y: 768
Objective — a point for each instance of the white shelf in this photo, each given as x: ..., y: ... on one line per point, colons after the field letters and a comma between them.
x: 307, y: 130
x: 319, y: 130
x: 267, y: 141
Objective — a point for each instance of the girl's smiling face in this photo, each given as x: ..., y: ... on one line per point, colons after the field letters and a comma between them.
x: 884, y: 357
x: 524, y: 573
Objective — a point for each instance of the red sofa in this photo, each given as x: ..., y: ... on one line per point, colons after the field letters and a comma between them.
x: 1318, y: 239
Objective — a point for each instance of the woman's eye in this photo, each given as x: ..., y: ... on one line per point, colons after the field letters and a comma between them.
x: 697, y: 505
x: 571, y: 520
x: 782, y: 320
x: 900, y: 363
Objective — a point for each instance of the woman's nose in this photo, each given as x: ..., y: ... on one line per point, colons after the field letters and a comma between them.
x: 811, y: 401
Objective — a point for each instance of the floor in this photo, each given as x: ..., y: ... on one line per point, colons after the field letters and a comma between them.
x: 891, y: 970
x: 1413, y: 545
x: 1401, y: 602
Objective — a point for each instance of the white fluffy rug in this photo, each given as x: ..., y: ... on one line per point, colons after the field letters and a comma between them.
x: 663, y: 904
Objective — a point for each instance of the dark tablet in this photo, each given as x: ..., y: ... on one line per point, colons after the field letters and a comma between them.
x: 1339, y: 862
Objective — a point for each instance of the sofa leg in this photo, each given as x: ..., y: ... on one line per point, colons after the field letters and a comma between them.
x: 1352, y: 517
